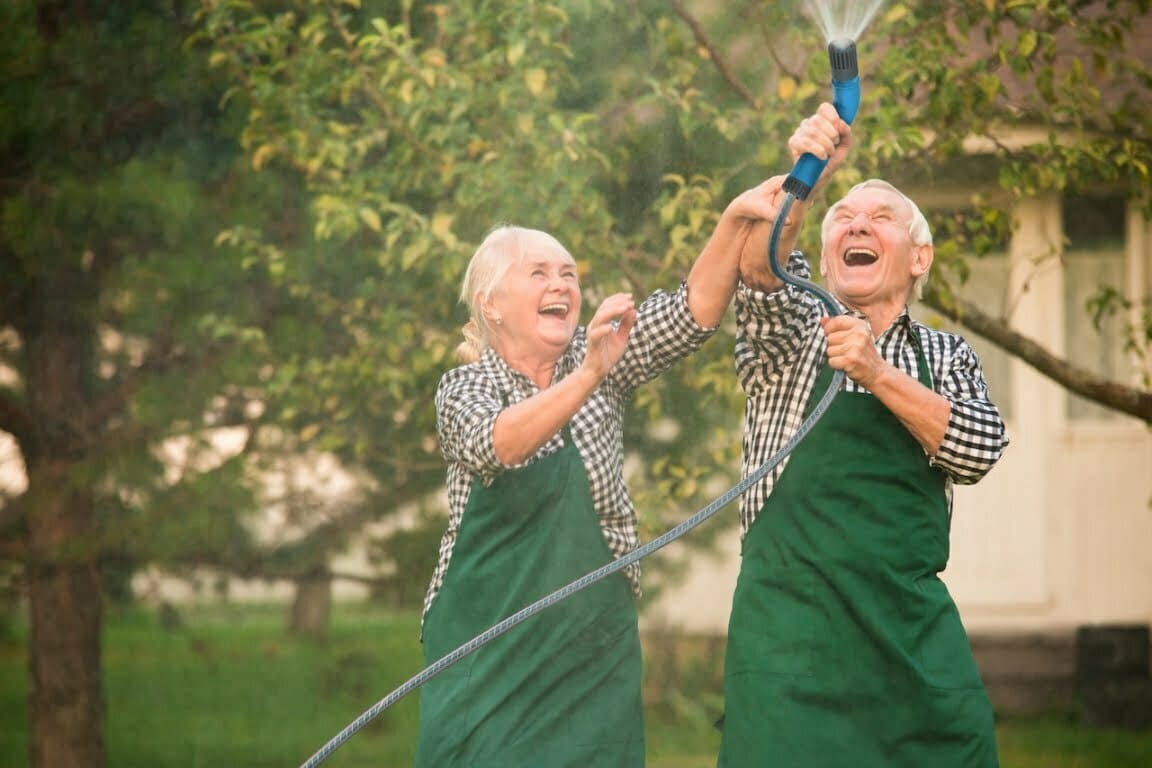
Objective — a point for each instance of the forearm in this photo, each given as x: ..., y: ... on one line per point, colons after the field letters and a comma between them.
x: 712, y: 280
x: 521, y: 429
x: 923, y: 413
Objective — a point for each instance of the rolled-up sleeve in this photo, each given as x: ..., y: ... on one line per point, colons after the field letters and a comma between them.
x: 665, y: 332
x: 975, y: 438
x: 466, y: 412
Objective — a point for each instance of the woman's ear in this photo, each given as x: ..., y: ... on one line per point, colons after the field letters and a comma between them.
x: 490, y: 312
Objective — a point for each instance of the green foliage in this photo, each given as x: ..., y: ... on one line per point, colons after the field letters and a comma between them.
x: 409, y: 556
x: 117, y: 167
x: 414, y: 132
x: 414, y: 127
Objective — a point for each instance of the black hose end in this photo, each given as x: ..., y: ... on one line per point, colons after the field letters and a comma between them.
x: 842, y: 55
x: 796, y: 188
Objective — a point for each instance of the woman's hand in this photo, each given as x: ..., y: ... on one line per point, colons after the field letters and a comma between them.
x: 608, y: 333
x: 758, y: 208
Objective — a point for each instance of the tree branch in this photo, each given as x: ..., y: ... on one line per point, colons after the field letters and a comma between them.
x: 1118, y: 397
x: 714, y: 54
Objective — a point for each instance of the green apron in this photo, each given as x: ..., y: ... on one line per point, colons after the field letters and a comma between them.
x: 561, y: 689
x: 845, y: 649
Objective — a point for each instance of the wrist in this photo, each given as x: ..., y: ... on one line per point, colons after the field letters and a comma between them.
x: 880, y: 375
x: 587, y: 376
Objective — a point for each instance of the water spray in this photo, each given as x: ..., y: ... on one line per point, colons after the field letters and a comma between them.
x: 798, y: 185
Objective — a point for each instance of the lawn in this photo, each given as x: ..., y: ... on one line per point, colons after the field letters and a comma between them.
x: 227, y: 688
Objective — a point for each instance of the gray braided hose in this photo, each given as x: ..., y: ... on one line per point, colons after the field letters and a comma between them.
x: 659, y: 542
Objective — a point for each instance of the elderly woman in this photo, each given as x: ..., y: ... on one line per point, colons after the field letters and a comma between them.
x: 532, y: 428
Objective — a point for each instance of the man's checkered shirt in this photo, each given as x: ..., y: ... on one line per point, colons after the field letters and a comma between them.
x: 470, y: 397
x: 780, y: 350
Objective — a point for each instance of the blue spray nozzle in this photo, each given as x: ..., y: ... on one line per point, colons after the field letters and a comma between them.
x: 846, y: 99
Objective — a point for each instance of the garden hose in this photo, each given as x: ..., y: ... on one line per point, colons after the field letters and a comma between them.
x: 797, y: 186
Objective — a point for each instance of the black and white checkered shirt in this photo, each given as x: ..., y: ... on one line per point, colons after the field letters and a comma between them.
x: 470, y: 397
x: 780, y: 350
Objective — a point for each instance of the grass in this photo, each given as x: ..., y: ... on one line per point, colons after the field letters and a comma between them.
x: 230, y: 689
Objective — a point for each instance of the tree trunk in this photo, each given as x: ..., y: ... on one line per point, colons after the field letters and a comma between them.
x: 312, y: 606
x: 65, y: 699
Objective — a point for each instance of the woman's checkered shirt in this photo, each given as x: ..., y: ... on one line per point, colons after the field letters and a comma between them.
x: 780, y: 350
x: 470, y: 397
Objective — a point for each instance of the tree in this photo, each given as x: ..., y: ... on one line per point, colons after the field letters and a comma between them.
x: 114, y: 162
x: 416, y: 127
x: 623, y: 128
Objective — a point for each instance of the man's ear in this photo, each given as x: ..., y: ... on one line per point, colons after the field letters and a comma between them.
x: 922, y: 256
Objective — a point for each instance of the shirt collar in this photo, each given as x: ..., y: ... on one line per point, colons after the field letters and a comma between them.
x: 902, y: 320
x: 510, y: 380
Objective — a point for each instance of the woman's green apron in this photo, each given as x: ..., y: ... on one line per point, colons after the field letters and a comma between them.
x: 561, y: 689
x: 845, y: 649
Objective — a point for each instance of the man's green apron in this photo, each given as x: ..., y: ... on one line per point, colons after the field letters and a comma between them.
x: 561, y: 689
x: 845, y: 649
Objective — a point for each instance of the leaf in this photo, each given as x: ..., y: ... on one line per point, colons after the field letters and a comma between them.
x: 261, y: 156
x: 371, y: 219
x: 1027, y: 44
x: 536, y: 79
x: 515, y: 53
x: 786, y: 88
x: 900, y: 11
x: 442, y: 224
x: 407, y: 89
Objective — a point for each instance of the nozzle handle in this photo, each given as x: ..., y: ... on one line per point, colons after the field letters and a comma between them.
x: 846, y: 99
x: 806, y: 172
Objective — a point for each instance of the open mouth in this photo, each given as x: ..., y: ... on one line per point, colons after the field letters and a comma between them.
x: 859, y: 257
x: 558, y: 309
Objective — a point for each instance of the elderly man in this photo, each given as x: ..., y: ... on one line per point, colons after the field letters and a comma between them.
x: 844, y: 647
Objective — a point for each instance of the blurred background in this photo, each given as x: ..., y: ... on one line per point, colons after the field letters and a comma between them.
x: 232, y: 234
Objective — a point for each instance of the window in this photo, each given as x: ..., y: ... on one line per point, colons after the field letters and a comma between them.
x: 1094, y: 269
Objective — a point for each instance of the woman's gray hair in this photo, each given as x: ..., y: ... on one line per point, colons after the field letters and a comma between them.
x: 918, y: 228
x: 501, y: 248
